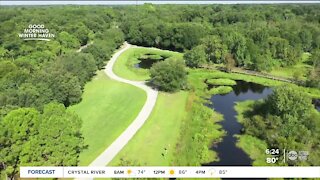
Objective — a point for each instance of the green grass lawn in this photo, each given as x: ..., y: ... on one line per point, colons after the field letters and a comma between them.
x: 254, y: 147
x: 125, y: 65
x: 221, y: 82
x: 220, y: 90
x: 289, y: 72
x: 300, y: 68
x: 107, y: 108
x: 161, y: 130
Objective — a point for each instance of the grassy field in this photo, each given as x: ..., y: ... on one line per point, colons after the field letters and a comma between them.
x: 221, y: 82
x: 163, y: 129
x: 301, y: 68
x: 198, y: 133
x: 107, y: 108
x: 125, y: 65
x: 159, y: 132
x: 252, y: 146
x: 220, y: 90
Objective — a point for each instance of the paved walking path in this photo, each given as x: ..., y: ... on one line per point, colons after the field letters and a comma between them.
x: 104, y: 158
x: 108, y: 154
x: 84, y: 46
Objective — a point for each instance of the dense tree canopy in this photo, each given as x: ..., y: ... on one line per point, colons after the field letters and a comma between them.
x: 289, y: 101
x: 31, y: 138
x: 34, y: 74
x: 251, y: 34
x: 81, y: 65
x: 315, y: 58
x: 196, y: 57
x: 286, y: 120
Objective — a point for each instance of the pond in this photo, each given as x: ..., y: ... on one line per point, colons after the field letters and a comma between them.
x: 147, y: 60
x: 316, y: 103
x: 228, y: 153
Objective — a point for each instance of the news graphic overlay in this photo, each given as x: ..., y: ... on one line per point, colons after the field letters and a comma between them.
x: 277, y: 156
x: 273, y: 155
x: 155, y: 90
x: 36, y: 32
x: 170, y: 172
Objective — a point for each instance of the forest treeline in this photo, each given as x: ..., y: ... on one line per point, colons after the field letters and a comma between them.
x: 39, y: 78
x: 34, y: 73
x: 254, y: 37
x: 286, y: 119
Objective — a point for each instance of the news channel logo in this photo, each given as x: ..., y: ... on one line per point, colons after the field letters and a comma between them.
x: 298, y: 155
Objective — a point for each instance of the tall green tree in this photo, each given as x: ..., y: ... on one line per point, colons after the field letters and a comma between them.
x: 196, y: 57
x: 229, y: 62
x: 313, y: 78
x: 3, y: 53
x: 288, y: 100
x: 306, y: 39
x: 214, y: 48
x: 169, y: 75
x: 286, y: 119
x: 58, y: 85
x: 81, y: 65
x: 68, y: 41
x: 54, y: 144
x: 315, y: 58
x: 237, y: 46
x: 81, y: 32
x: 16, y: 130
x: 30, y: 138
x: 7, y: 67
x: 101, y: 51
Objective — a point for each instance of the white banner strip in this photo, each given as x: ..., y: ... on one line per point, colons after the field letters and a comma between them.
x: 170, y: 172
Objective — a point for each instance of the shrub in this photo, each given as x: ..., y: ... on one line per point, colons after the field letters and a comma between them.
x: 221, y: 82
x: 169, y: 75
x: 221, y: 90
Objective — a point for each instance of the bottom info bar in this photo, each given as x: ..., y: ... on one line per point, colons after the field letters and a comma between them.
x: 170, y: 172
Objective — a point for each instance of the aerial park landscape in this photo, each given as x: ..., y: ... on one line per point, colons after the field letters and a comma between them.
x: 186, y: 85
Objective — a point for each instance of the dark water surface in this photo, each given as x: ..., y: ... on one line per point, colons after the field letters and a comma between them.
x: 316, y: 103
x: 146, y: 63
x: 228, y: 153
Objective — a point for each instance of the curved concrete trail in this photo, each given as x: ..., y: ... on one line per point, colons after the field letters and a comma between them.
x: 104, y: 158
x: 84, y: 47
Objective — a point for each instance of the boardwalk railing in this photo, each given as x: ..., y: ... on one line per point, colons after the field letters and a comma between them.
x: 258, y: 74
